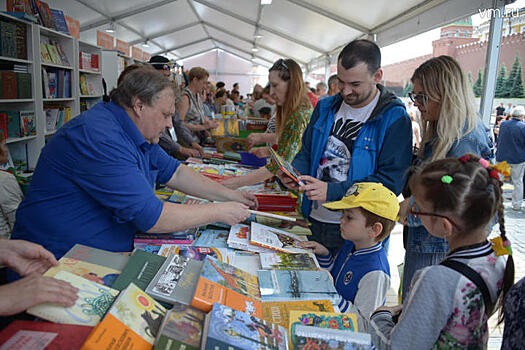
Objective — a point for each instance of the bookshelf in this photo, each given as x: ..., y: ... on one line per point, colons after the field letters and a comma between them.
x: 64, y: 96
x: 89, y: 64
x: 114, y: 63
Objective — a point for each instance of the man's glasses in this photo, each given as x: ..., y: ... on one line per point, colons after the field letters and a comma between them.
x: 417, y: 214
x: 419, y: 98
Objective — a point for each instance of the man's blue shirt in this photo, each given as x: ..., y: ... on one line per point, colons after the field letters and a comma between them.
x: 93, y: 184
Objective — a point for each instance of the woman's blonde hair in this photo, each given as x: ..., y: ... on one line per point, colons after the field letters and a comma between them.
x: 296, y: 98
x: 444, y: 81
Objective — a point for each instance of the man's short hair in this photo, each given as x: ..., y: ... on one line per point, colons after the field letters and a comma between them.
x: 321, y: 85
x: 333, y: 79
x: 359, y: 51
x: 235, y: 92
x: 220, y: 85
x: 199, y: 73
x: 220, y: 93
x: 235, y: 84
x: 265, y: 110
x: 371, y: 218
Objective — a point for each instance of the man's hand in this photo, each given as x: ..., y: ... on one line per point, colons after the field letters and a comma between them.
x: 394, y: 310
x: 403, y: 211
x: 33, y: 290
x: 254, y: 139
x: 261, y: 152
x: 247, y: 198
x: 317, y: 247
x: 232, y: 213
x: 315, y: 189
x: 188, y: 152
x: 26, y: 257
x: 232, y: 182
x: 210, y: 124
x: 287, y: 180
x: 198, y: 147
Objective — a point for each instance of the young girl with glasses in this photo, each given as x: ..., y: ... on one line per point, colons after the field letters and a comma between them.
x: 449, y: 304
x: 450, y: 127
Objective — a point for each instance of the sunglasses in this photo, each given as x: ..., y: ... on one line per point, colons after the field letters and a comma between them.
x: 280, y: 63
x: 416, y: 214
x: 419, y: 98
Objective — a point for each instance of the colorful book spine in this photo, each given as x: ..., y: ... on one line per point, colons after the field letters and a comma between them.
x: 13, y: 123
x: 21, y: 41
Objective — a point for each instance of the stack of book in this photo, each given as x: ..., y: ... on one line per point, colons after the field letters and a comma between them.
x: 15, y: 81
x: 39, y: 10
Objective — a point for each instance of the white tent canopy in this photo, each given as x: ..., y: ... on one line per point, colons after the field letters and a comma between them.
x: 308, y: 31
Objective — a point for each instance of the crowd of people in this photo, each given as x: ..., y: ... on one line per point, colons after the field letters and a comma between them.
x: 356, y: 146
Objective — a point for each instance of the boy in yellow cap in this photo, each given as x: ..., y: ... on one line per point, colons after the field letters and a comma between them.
x: 360, y: 270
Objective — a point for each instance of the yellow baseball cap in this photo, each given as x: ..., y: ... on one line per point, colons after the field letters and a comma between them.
x: 371, y: 196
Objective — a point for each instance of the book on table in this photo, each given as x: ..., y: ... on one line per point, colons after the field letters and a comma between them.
x: 278, y: 312
x: 93, y: 272
x: 275, y: 239
x: 306, y: 338
x: 141, y: 269
x: 285, y: 261
x: 176, y: 280
x: 101, y: 257
x: 239, y: 238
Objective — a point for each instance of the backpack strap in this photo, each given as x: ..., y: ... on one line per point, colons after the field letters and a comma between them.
x: 472, y: 275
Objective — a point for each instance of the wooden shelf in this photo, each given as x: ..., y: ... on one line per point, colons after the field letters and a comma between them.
x: 19, y: 139
x: 17, y: 100
x: 13, y: 59
x: 87, y: 71
x: 57, y: 66
x: 62, y: 99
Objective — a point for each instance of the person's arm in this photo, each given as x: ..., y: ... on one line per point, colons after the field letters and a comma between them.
x: 183, y: 107
x: 371, y: 294
x: 168, y: 144
x: 254, y: 177
x: 25, y: 257
x: 394, y: 159
x: 424, y: 315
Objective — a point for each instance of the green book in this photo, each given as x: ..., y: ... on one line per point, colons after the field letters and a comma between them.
x: 13, y: 123
x: 23, y: 84
x: 181, y: 329
x: 140, y: 270
x: 8, y: 35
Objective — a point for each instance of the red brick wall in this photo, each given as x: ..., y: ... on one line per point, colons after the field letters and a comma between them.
x: 398, y: 74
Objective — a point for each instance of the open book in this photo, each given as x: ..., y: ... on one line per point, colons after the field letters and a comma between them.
x: 285, y: 167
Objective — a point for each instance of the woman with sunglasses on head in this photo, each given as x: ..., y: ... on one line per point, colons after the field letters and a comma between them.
x: 451, y: 127
x: 292, y: 116
x: 449, y: 304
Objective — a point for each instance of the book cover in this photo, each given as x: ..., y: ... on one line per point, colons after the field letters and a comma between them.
x: 181, y: 329
x: 19, y: 6
x: 212, y: 239
x: 27, y: 123
x: 278, y: 312
x: 61, y: 52
x: 9, y: 86
x: 132, y: 322
x: 52, y: 81
x: 285, y: 261
x: 53, y: 53
x: 45, y: 14
x: 246, y: 261
x: 228, y: 285
x: 101, y: 257
x: 60, y: 21
x: 296, y: 285
x: 306, y: 338
x: 8, y: 38
x: 196, y: 253
x: 285, y: 167
x: 83, y: 84
x: 94, y: 62
x: 3, y: 124
x: 332, y: 320
x: 44, y: 54
x: 33, y: 335
x: 93, y: 301
x: 226, y: 328
x: 103, y: 275
x: 239, y: 238
x: 13, y: 123
x: 275, y: 239
x: 141, y: 269
x: 23, y: 84
x: 21, y: 41
x: 176, y: 280
x: 231, y: 144
x: 51, y: 118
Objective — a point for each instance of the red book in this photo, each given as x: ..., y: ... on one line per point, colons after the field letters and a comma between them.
x: 3, y: 124
x: 94, y: 62
x: 9, y: 87
x: 32, y: 335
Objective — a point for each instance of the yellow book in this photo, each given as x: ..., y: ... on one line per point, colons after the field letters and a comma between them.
x: 93, y: 301
x: 53, y: 53
x: 44, y: 54
x: 278, y: 312
x: 96, y: 273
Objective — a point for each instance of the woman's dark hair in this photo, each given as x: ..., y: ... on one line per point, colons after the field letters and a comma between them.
x: 220, y: 93
x: 473, y: 195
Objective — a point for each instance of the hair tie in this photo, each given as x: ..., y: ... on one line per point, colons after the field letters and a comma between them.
x: 446, y: 179
x: 501, y: 247
x: 464, y: 158
x: 493, y: 173
x: 484, y: 163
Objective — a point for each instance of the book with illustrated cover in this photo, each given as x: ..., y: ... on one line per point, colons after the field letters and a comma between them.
x: 141, y: 269
x: 226, y: 329
x: 100, y: 274
x: 223, y: 283
x: 132, y: 322
x: 239, y: 238
x: 181, y: 329
x: 296, y: 285
x: 116, y: 261
x: 212, y: 239
x: 176, y: 280
x: 93, y: 301
x: 35, y: 335
x: 275, y: 239
x: 285, y: 261
x: 332, y: 320
x: 306, y: 338
x: 196, y: 253
x: 60, y: 20
x: 285, y: 167
x: 53, y: 53
x: 27, y: 123
x: 278, y: 312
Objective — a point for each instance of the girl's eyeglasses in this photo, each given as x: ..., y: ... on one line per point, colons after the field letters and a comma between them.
x: 280, y: 63
x: 417, y: 214
x: 419, y: 98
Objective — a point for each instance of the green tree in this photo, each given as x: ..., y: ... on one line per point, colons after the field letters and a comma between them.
x: 478, y: 85
x: 500, y: 81
x: 512, y: 77
x: 517, y: 85
x: 408, y: 88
